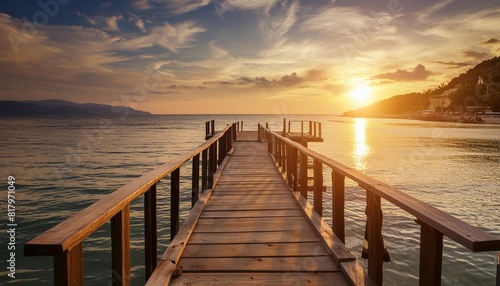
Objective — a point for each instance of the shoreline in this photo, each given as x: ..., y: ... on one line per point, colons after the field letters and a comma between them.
x: 449, y: 119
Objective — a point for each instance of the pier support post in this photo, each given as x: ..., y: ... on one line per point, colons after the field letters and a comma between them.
x: 431, y: 255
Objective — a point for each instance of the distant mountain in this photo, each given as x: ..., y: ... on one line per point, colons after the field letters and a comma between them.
x: 61, y: 107
x: 477, y: 86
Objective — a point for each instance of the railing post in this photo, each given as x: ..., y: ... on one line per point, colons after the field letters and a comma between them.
x: 303, y: 175
x: 213, y: 126
x: 319, y: 129
x: 498, y: 270
x: 150, y: 231
x: 338, y: 205
x: 221, y: 151
x: 374, y: 237
x: 284, y: 126
x: 204, y: 169
x: 174, y: 202
x: 283, y: 156
x: 258, y: 133
x: 431, y: 255
x: 294, y: 169
x: 289, y: 172
x: 212, y: 158
x: 310, y: 127
x: 318, y: 187
x: 68, y: 268
x: 269, y: 142
x: 278, y: 152
x: 120, y: 247
x: 195, y: 181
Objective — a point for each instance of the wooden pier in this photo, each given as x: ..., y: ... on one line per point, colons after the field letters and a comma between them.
x: 256, y: 219
x: 252, y: 230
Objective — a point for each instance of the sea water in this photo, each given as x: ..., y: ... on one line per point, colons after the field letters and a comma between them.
x: 62, y: 165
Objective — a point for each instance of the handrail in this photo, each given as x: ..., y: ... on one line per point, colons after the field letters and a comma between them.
x: 434, y: 222
x: 64, y: 241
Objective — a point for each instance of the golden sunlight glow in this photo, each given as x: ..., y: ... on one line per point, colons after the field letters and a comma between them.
x: 361, y: 90
x: 361, y: 150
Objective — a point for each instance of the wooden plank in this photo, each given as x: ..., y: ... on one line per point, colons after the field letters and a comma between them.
x: 252, y: 213
x: 253, y: 199
x: 252, y: 237
x: 281, y: 279
x: 255, y: 250
x: 259, y: 264
x: 258, y: 225
x: 246, y: 207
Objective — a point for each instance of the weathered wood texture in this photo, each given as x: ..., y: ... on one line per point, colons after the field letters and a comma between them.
x: 253, y: 231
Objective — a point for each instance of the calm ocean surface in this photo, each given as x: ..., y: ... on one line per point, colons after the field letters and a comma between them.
x: 62, y: 165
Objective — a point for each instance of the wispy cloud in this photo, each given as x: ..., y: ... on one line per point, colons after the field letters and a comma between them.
x: 138, y: 22
x: 277, y: 20
x: 171, y: 37
x: 171, y: 6
x: 108, y: 23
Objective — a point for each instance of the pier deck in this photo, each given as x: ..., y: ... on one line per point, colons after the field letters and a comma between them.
x: 253, y: 231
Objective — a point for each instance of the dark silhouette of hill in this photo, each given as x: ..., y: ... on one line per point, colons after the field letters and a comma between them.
x: 61, y: 107
x: 467, y: 91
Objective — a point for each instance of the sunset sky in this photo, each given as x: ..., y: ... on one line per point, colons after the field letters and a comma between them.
x: 239, y: 56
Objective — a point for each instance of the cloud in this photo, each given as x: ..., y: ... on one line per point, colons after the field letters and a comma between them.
x: 108, y: 23
x: 492, y: 41
x: 284, y: 81
x: 142, y: 4
x: 477, y: 55
x: 223, y: 6
x: 454, y: 64
x: 417, y: 74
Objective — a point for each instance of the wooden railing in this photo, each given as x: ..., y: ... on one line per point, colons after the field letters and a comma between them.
x: 65, y: 241
x: 292, y: 159
x: 313, y: 127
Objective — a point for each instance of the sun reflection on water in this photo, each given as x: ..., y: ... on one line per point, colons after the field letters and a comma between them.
x: 360, y: 149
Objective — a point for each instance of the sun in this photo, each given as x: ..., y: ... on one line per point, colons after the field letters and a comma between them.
x: 361, y: 90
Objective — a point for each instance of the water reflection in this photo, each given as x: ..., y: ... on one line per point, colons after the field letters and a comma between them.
x: 360, y: 150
